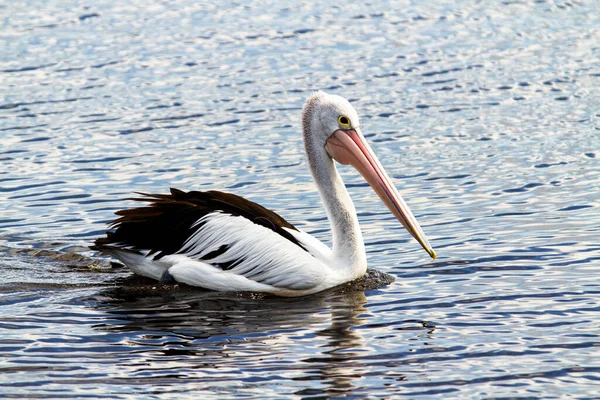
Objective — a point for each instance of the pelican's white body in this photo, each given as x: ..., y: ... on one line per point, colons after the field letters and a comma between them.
x: 271, y: 264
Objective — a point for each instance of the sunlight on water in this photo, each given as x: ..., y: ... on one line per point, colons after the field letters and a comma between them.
x: 485, y: 115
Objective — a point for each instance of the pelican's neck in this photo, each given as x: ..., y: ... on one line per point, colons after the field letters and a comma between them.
x: 348, y: 247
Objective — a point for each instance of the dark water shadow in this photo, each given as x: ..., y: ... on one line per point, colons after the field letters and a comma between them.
x: 139, y: 304
x: 207, y: 329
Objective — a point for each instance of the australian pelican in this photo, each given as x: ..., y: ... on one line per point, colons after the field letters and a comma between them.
x: 221, y: 241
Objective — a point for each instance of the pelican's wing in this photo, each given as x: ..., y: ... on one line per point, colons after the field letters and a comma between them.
x: 169, y: 220
x: 224, y: 232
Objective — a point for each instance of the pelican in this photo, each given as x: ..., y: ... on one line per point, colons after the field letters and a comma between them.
x: 223, y: 242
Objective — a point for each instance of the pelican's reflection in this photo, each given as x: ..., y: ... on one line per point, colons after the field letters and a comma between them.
x: 196, y: 314
x: 336, y: 369
x: 206, y: 330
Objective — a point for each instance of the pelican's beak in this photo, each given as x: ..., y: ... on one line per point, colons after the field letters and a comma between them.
x: 350, y: 147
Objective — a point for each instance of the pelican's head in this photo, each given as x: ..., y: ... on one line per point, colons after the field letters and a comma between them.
x: 331, y: 123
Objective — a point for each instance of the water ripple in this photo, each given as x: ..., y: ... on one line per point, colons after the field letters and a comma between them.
x: 480, y: 113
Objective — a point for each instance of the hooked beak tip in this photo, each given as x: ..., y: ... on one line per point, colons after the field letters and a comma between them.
x: 432, y: 253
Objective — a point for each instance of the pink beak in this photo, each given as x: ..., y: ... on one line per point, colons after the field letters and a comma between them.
x: 349, y: 147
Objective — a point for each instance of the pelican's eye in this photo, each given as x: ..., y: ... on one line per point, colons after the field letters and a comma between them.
x: 344, y: 122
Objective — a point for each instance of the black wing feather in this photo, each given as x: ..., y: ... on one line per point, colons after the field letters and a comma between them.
x: 165, y: 224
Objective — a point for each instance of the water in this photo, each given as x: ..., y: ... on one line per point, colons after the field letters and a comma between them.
x: 486, y: 115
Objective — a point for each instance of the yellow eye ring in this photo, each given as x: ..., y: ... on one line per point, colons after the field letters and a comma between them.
x: 344, y: 122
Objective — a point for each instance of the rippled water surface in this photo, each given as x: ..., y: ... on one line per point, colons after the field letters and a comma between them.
x: 485, y: 113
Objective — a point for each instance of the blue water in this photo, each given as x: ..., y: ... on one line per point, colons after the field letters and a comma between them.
x: 486, y: 115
